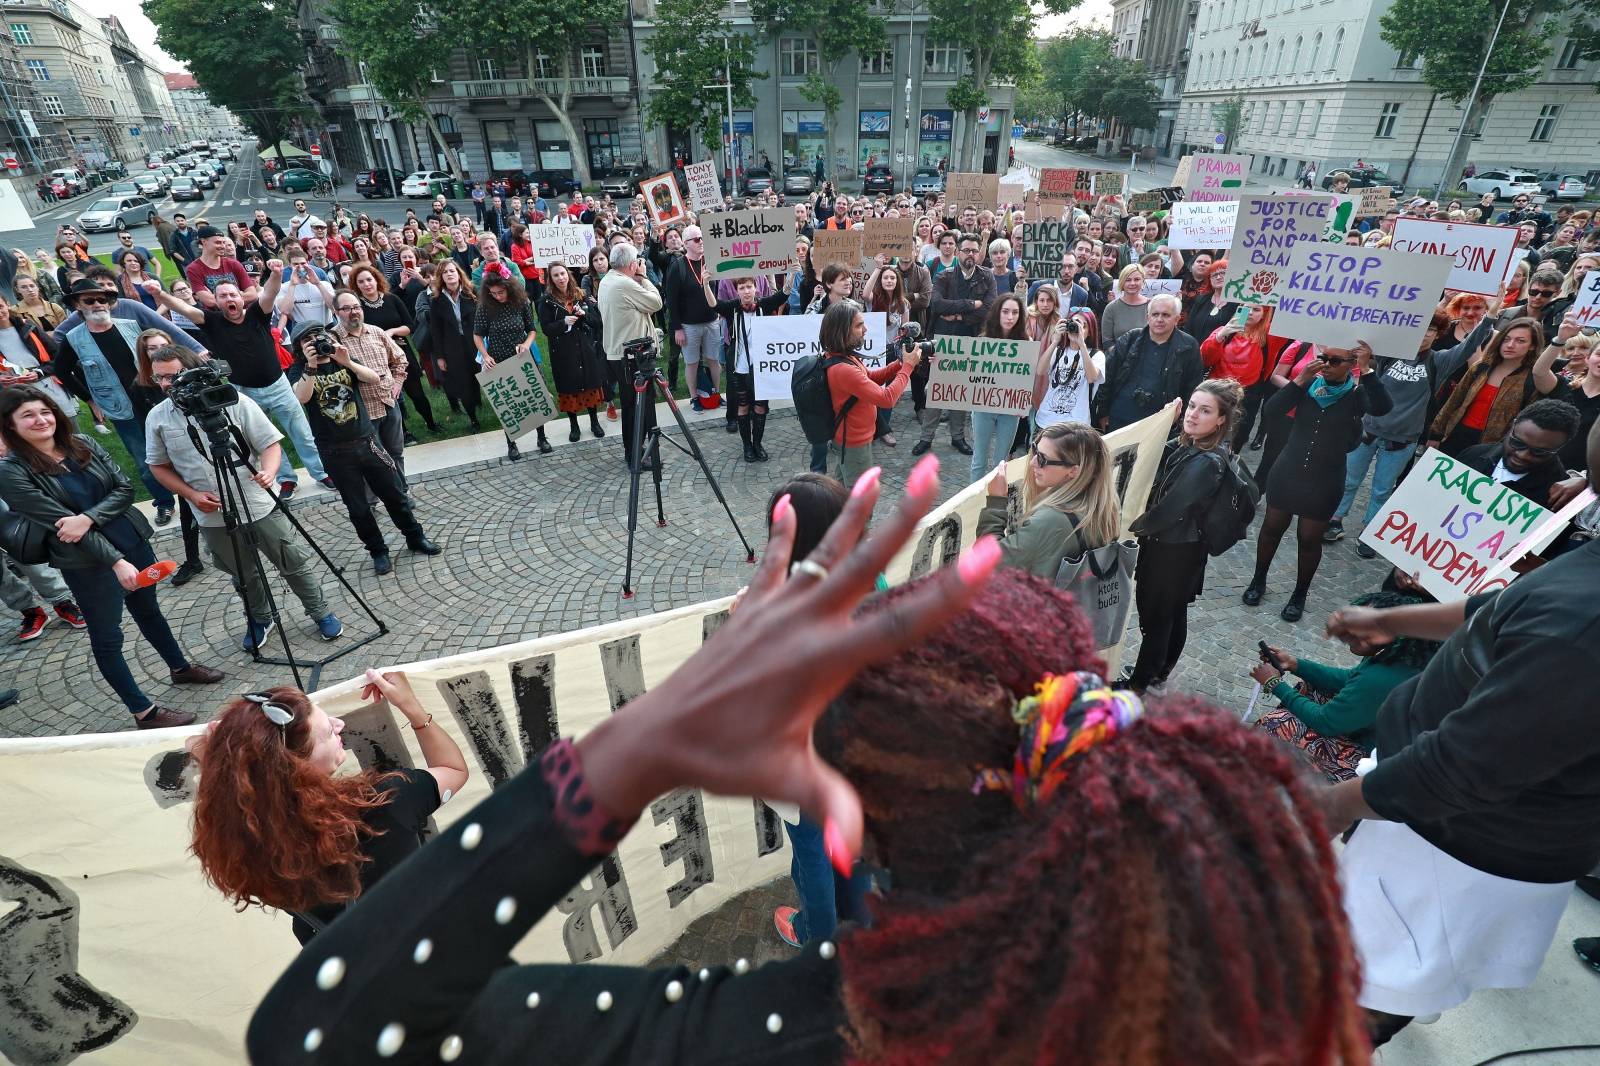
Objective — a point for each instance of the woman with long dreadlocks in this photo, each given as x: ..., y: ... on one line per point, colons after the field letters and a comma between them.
x: 1074, y: 880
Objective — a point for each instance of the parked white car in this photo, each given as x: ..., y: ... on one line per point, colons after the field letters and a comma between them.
x: 421, y: 184
x: 1504, y: 184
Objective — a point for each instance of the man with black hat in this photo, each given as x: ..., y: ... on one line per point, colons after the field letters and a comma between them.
x: 329, y: 389
x: 215, y: 266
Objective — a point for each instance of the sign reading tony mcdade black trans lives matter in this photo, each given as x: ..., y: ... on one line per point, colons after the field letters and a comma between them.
x: 741, y: 244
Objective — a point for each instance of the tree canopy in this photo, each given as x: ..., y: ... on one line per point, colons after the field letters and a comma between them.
x: 688, y: 47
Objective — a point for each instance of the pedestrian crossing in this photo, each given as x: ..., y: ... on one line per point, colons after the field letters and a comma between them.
x: 245, y: 202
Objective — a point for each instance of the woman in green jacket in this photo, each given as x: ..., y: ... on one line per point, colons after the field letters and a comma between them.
x: 1069, y: 504
x: 1332, y: 723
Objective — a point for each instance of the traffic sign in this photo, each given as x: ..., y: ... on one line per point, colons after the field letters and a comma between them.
x: 1222, y: 140
x: 11, y: 163
x: 133, y: 131
x: 1016, y: 131
x: 316, y: 149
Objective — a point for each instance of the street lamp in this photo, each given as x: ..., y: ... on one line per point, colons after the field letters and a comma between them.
x: 727, y: 142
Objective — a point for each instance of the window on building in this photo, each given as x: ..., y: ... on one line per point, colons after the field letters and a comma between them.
x: 544, y: 66
x: 1249, y: 60
x: 1338, y: 46
x: 941, y: 59
x: 1545, y: 125
x: 1233, y: 64
x: 1294, y: 62
x: 52, y: 105
x: 1299, y: 113
x: 798, y: 57
x: 1283, y: 113
x: 593, y: 61
x: 1316, y: 49
x: 1571, y: 53
x: 1386, y: 120
x: 603, y: 141
x: 1263, y: 117
x: 879, y: 62
x: 1316, y: 117
x: 1277, y: 60
x: 39, y: 71
x: 488, y: 69
x: 22, y: 32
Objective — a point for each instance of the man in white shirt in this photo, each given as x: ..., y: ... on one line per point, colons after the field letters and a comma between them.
x: 305, y: 296
x: 627, y: 300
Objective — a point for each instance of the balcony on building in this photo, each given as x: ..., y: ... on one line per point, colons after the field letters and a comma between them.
x: 512, y: 92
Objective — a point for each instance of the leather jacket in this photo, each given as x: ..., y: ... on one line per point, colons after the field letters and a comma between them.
x: 1185, y: 485
x: 42, y: 499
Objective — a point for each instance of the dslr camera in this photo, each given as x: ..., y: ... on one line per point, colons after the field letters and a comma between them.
x: 907, y: 336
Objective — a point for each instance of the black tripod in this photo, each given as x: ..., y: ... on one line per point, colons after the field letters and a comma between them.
x: 227, y: 453
x: 647, y: 379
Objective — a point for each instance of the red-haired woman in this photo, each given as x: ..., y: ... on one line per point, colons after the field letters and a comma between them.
x: 275, y: 827
x: 1245, y: 353
x: 954, y: 679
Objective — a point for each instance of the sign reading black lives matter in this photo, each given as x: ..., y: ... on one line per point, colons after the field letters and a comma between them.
x: 1043, y: 245
x: 744, y: 244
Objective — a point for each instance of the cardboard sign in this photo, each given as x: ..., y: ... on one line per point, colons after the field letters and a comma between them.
x: 1585, y: 309
x: 1213, y: 177
x: 1482, y: 254
x: 1374, y: 201
x: 982, y: 374
x: 972, y: 190
x: 841, y: 246
x: 742, y: 244
x: 896, y: 237
x: 1338, y: 296
x: 1043, y: 245
x: 1203, y: 225
x: 1011, y: 193
x: 561, y: 243
x: 1449, y: 525
x: 1108, y: 182
x: 517, y: 392
x: 1268, y: 229
x: 1163, y: 287
x: 1140, y: 203
x: 1341, y: 216
x: 777, y: 341
x: 704, y: 191
x: 663, y: 201
x: 1074, y: 185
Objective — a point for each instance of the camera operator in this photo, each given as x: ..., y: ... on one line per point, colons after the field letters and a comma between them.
x: 373, y: 349
x: 329, y: 389
x: 627, y: 300
x: 173, y: 449
x: 857, y: 391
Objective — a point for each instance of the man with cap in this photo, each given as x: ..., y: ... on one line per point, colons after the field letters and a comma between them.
x: 215, y: 266
x: 104, y: 279
x: 695, y: 327
x: 329, y: 389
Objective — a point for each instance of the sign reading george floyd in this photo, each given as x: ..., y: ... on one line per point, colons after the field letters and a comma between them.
x: 1207, y: 176
x: 1449, y: 525
x: 1338, y: 296
x: 517, y: 392
x: 742, y: 244
x: 777, y: 341
x: 1482, y: 254
x: 986, y: 374
x: 1043, y: 245
x: 1268, y: 230
x: 972, y: 190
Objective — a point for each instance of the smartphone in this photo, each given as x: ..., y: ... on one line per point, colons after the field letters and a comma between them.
x: 1270, y: 659
x: 1241, y: 316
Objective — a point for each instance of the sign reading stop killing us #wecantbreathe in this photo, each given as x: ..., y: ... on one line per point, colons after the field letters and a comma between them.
x: 778, y: 341
x: 982, y: 374
x: 1449, y: 525
x: 1336, y: 296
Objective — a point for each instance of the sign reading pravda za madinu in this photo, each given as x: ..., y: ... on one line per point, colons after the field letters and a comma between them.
x: 982, y: 374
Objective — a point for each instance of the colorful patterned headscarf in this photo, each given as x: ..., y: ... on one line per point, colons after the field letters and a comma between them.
x: 1065, y: 717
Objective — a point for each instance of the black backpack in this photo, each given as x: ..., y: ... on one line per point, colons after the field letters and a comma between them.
x: 1227, y: 517
x: 813, y: 402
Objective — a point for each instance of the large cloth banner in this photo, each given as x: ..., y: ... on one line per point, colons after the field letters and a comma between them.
x: 115, y: 950
x: 778, y: 341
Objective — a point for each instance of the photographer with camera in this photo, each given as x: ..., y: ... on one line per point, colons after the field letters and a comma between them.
x: 857, y: 391
x: 195, y: 390
x: 627, y: 300
x: 329, y: 388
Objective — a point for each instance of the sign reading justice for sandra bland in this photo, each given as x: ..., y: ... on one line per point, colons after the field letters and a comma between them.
x: 744, y: 244
x: 1337, y: 296
x: 982, y: 374
x: 1449, y: 525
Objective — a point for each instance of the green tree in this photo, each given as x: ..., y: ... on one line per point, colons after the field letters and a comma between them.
x: 1452, y: 36
x: 1071, y: 65
x: 841, y: 28
x: 1230, y: 118
x: 692, y: 48
x: 996, y: 40
x: 489, y: 24
x: 400, y: 44
x: 261, y: 82
x: 1131, y: 98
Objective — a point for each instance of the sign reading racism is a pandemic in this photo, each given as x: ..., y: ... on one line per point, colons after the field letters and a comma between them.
x: 741, y: 244
x: 778, y: 341
x: 1337, y: 296
x: 982, y: 374
x: 1268, y: 229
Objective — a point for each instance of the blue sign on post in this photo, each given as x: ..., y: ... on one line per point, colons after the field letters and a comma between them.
x: 1016, y: 131
x: 133, y: 131
x: 1222, y: 140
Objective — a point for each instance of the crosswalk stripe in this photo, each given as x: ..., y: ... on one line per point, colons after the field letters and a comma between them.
x: 226, y: 203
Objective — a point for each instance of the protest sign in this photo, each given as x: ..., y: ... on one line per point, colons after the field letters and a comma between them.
x: 893, y: 236
x: 704, y: 192
x: 1338, y: 296
x: 741, y: 244
x: 1269, y: 227
x: 1482, y: 254
x: 1203, y: 225
x: 1163, y: 287
x: 1585, y: 309
x: 1374, y: 201
x: 972, y: 190
x: 1449, y: 525
x: 1059, y: 183
x: 1108, y: 183
x: 1043, y: 245
x: 663, y: 201
x: 777, y: 341
x: 1214, y: 177
x: 842, y: 246
x: 1011, y: 193
x: 561, y: 243
x: 1153, y: 200
x: 982, y: 374
x: 516, y: 391
x: 1341, y: 214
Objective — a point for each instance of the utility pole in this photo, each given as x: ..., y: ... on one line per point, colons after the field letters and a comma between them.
x: 910, y: 154
x: 1472, y: 98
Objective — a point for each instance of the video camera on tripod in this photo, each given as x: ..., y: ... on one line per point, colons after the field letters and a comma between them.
x: 643, y: 352
x: 204, y: 394
x: 906, y: 338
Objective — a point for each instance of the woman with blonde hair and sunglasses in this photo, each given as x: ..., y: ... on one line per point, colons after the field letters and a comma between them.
x: 1069, y: 502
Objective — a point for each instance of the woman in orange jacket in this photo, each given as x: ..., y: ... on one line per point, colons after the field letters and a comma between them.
x: 857, y: 392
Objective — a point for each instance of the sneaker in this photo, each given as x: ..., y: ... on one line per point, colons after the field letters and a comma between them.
x: 611, y: 412
x: 186, y: 573
x: 286, y: 489
x: 330, y: 627
x: 327, y: 483
x: 68, y: 612
x: 695, y: 404
x: 33, y: 622
x: 1334, y: 532
x: 163, y: 718
x: 1366, y: 551
x: 164, y: 515
x: 255, y: 635
x: 783, y: 919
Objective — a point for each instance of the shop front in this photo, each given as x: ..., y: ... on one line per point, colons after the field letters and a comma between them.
x: 872, y: 141
x: 933, y: 137
x: 805, y: 141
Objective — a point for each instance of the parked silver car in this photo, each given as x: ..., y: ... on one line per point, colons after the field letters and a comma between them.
x: 117, y: 212
x: 799, y: 181
x: 926, y: 180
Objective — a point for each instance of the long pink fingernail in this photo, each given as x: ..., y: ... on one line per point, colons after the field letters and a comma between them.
x: 979, y: 561
x: 781, y: 509
x: 867, y: 482
x: 924, y: 476
x: 838, y: 851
